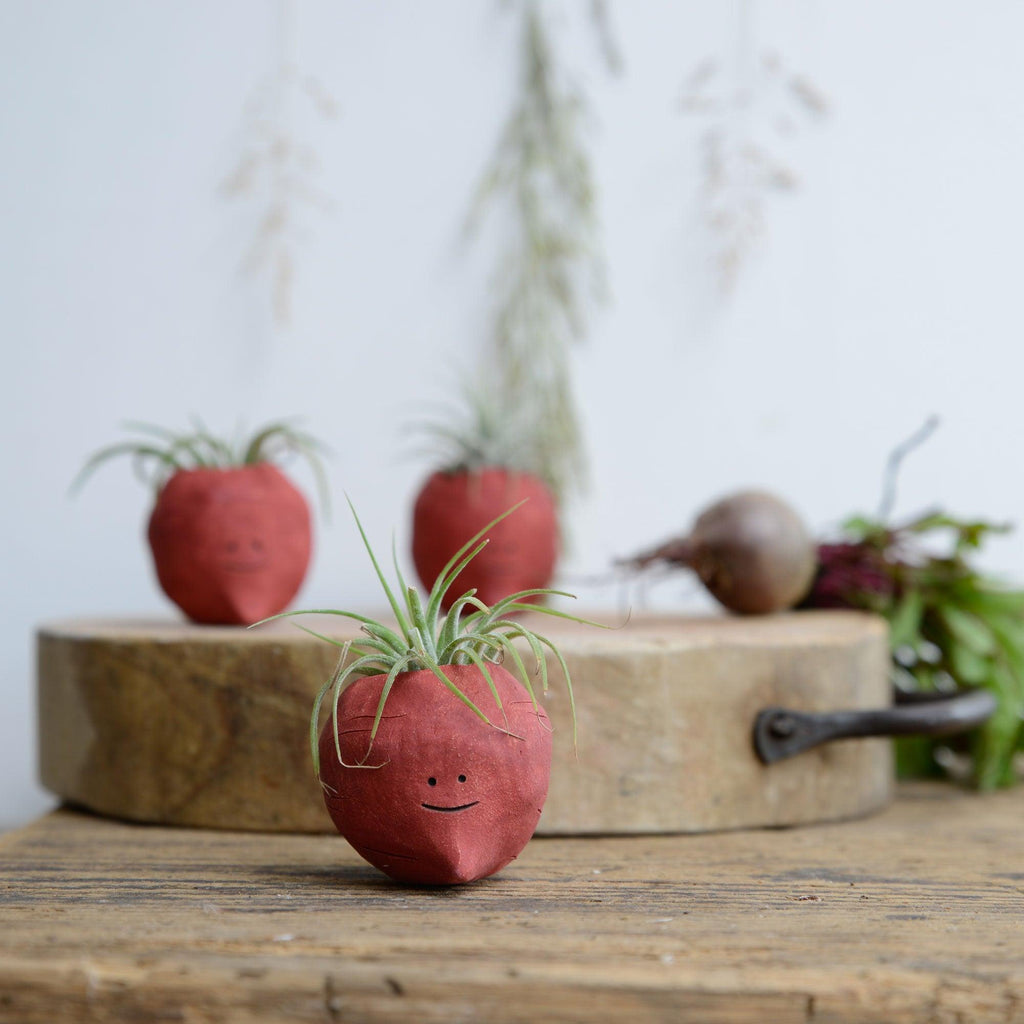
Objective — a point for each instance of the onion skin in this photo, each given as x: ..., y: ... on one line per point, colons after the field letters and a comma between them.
x: 751, y: 551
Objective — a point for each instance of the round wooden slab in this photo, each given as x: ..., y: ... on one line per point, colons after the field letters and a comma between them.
x: 207, y: 725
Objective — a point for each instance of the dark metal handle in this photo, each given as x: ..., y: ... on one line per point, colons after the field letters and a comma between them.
x: 780, y: 733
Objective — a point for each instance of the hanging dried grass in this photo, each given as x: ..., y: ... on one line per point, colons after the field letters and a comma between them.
x: 553, y: 268
x: 277, y: 170
x: 749, y: 113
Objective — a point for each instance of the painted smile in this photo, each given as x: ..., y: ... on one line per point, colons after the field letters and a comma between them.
x: 243, y: 566
x: 450, y: 810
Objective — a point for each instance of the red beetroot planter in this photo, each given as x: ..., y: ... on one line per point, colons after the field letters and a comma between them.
x: 434, y: 759
x: 487, y: 460
x: 454, y: 504
x: 441, y: 797
x: 231, y: 536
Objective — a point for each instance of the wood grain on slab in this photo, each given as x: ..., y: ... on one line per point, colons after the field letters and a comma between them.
x: 911, y: 916
x: 199, y: 725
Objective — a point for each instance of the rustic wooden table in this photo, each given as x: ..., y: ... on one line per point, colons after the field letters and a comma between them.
x: 914, y: 914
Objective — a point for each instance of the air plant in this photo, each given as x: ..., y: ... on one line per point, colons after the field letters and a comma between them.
x: 160, y: 452
x: 473, y: 435
x: 470, y: 633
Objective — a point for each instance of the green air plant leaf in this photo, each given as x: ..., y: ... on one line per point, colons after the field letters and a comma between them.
x: 470, y: 634
x: 142, y: 454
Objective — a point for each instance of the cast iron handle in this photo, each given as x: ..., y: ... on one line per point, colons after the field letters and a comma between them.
x: 780, y: 733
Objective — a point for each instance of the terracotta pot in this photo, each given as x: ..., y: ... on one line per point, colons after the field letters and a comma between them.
x: 443, y: 797
x: 523, y: 549
x: 230, y: 546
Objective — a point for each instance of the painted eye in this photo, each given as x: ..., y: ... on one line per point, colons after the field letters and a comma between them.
x: 232, y: 546
x: 431, y: 781
x: 462, y: 778
x: 256, y: 545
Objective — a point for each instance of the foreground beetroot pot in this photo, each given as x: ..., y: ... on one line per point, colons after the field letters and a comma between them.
x: 523, y: 549
x: 230, y: 546
x: 449, y: 798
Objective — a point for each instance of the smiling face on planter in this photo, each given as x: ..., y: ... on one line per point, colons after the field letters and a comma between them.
x: 230, y: 534
x: 230, y: 545
x: 449, y: 798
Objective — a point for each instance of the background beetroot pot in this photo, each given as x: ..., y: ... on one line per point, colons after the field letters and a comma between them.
x: 444, y: 797
x: 230, y: 546
x: 453, y: 506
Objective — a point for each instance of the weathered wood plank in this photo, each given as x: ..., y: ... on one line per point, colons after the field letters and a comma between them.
x: 913, y: 915
x: 190, y: 725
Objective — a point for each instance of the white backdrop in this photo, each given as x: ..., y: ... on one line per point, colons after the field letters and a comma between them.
x: 887, y: 288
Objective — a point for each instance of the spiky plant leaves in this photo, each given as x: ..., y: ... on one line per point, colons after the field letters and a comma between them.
x: 426, y: 641
x: 200, y: 449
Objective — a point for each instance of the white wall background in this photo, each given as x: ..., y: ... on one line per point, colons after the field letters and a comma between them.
x: 887, y: 289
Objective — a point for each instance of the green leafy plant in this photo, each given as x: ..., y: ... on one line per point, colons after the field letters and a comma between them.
x: 160, y: 453
x: 950, y: 625
x: 471, y: 633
